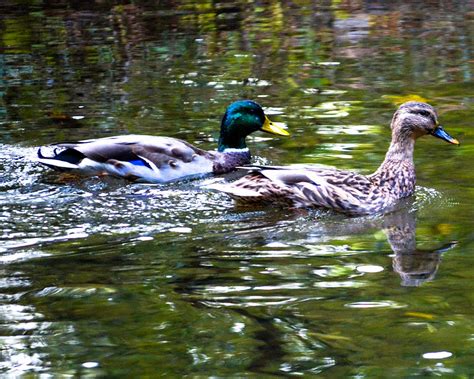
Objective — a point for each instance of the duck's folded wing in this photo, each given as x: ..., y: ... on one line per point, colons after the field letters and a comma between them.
x: 335, y: 189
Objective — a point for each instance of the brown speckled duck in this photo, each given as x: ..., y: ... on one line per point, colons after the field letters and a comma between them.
x: 153, y: 159
x: 346, y: 191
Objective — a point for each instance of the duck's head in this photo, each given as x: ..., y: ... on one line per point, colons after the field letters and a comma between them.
x: 242, y: 118
x: 415, y: 119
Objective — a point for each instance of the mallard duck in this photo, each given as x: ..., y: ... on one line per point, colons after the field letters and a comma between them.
x: 152, y: 159
x: 346, y: 191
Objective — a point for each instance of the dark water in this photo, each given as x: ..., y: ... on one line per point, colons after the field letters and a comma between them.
x: 104, y: 278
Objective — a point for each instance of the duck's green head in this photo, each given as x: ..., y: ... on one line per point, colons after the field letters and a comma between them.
x: 242, y: 118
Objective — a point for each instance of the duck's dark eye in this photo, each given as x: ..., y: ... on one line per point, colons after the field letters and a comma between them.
x: 424, y: 113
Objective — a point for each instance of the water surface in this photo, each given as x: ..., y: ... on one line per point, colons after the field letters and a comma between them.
x: 106, y: 278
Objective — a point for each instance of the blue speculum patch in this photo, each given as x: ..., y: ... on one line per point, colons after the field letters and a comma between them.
x: 139, y: 162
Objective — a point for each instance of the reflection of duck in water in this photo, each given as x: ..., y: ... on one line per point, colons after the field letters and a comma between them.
x: 347, y: 191
x: 415, y: 266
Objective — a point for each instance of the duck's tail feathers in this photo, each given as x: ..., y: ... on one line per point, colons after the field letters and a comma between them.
x: 63, y: 160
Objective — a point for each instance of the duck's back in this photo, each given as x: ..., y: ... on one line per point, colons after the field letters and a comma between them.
x: 140, y: 158
x: 340, y: 190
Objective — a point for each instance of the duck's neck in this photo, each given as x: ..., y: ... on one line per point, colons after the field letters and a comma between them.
x: 401, y: 149
x: 229, y: 159
x: 233, y: 151
x: 397, y: 171
x: 231, y: 143
x: 233, y: 133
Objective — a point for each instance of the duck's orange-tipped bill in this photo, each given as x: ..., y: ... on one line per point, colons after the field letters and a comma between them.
x: 439, y: 132
x: 277, y: 128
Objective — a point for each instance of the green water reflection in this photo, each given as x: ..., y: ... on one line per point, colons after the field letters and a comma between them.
x: 103, y: 278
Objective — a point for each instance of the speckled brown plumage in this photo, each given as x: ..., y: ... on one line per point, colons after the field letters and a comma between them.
x: 346, y: 191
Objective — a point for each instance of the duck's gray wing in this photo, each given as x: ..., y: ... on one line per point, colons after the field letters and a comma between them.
x: 134, y: 157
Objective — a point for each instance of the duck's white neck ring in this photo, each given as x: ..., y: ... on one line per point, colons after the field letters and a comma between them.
x: 233, y: 150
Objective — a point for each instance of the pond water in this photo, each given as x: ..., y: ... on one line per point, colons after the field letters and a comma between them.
x: 105, y: 278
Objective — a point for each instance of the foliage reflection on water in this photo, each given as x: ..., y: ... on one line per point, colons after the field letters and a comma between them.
x: 101, y: 278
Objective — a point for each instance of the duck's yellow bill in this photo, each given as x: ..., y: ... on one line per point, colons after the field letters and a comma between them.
x: 277, y: 128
